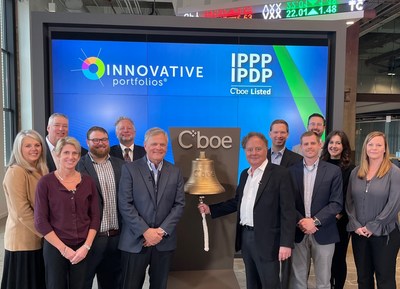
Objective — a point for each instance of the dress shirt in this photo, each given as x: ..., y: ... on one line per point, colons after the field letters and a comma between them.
x: 131, y: 148
x: 51, y: 149
x: 250, y: 193
x: 155, y: 170
x: 106, y: 176
x: 276, y: 157
x: 310, y: 173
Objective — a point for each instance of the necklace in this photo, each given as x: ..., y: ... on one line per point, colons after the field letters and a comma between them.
x: 65, y: 181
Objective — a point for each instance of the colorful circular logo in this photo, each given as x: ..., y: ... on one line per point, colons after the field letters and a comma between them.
x: 93, y: 68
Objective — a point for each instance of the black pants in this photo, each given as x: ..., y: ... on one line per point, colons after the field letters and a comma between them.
x: 376, y: 255
x: 339, y: 265
x: 60, y: 273
x: 104, y: 261
x: 134, y: 268
x: 260, y: 273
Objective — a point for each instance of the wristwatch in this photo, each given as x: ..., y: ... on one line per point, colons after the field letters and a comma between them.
x: 317, y: 222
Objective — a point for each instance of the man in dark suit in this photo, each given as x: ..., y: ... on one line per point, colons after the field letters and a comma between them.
x: 126, y: 149
x: 318, y: 196
x: 57, y: 128
x: 266, y: 215
x: 104, y: 259
x: 151, y: 201
x: 279, y: 154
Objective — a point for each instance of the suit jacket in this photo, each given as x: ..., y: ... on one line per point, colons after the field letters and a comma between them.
x: 19, y: 188
x: 138, y: 152
x: 289, y: 158
x: 49, y: 158
x: 85, y: 166
x: 326, y: 202
x: 141, y: 208
x: 274, y: 212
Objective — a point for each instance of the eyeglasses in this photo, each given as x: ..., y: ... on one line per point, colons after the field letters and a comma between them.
x: 97, y: 140
x: 316, y: 124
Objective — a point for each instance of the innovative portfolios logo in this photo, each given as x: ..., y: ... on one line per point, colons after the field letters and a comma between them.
x: 131, y: 74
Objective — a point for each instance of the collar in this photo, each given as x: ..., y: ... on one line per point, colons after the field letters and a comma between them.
x: 151, y: 165
x: 314, y: 165
x: 124, y: 147
x: 93, y: 161
x: 281, y: 151
x: 49, y: 144
x: 261, y: 168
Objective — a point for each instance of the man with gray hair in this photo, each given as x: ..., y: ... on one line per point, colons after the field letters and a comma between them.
x: 151, y: 201
x: 126, y: 149
x: 57, y: 128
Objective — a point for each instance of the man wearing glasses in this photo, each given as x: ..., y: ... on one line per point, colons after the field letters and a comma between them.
x: 104, y: 256
x: 316, y: 123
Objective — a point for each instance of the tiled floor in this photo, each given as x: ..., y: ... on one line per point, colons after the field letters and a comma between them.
x: 351, y: 282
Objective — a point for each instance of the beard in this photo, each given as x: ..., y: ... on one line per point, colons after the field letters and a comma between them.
x: 100, y: 152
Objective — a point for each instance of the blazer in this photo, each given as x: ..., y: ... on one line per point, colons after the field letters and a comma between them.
x: 138, y: 152
x: 19, y: 188
x: 142, y: 208
x: 289, y: 158
x: 49, y: 157
x: 85, y: 166
x: 326, y: 202
x: 274, y: 211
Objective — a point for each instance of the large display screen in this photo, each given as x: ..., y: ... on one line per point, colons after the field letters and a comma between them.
x: 182, y: 84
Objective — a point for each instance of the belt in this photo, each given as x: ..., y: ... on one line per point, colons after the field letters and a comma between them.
x: 250, y: 228
x: 109, y: 233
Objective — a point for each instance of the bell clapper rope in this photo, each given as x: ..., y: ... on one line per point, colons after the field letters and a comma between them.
x: 205, y: 228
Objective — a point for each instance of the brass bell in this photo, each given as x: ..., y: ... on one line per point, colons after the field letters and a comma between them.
x: 203, y: 180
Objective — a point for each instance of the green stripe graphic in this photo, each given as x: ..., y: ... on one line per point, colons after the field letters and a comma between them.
x: 302, y: 96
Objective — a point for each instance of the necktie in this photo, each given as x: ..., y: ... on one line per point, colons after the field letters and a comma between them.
x: 155, y: 173
x: 127, y: 158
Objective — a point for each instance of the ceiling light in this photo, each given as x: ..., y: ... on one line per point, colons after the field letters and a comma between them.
x: 350, y: 22
x: 391, y: 73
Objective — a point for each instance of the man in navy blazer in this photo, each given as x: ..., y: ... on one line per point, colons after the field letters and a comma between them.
x: 104, y: 258
x: 126, y: 149
x: 318, y: 196
x: 151, y: 202
x: 266, y: 215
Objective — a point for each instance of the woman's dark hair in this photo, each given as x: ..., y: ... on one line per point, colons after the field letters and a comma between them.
x: 345, y: 159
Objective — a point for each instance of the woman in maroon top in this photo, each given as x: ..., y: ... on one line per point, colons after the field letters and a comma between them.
x: 67, y: 214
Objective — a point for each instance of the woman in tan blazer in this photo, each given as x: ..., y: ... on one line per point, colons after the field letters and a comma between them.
x: 23, y: 258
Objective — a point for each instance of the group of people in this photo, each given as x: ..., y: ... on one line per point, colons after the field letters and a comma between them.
x: 293, y: 209
x: 110, y: 212
x: 74, y: 215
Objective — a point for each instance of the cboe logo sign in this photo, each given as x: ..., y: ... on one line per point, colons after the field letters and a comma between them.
x: 189, y: 138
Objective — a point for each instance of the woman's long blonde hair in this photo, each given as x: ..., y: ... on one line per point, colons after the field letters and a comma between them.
x: 16, y: 154
x: 364, y: 160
